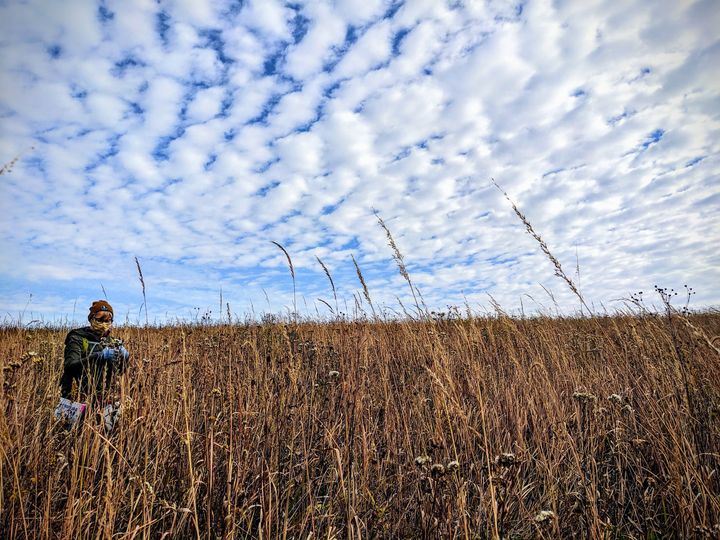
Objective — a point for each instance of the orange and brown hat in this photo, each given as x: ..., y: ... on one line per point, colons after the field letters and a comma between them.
x: 99, y: 306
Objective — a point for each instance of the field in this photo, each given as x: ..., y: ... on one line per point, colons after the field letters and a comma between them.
x: 462, y: 428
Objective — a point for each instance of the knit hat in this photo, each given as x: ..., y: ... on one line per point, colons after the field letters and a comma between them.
x: 97, y: 307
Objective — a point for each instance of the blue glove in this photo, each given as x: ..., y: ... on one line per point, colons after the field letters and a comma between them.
x: 108, y: 355
x: 122, y: 353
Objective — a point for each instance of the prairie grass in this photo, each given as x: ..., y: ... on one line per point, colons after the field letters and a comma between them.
x: 462, y: 428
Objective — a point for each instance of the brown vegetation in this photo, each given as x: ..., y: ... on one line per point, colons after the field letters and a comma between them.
x: 461, y: 428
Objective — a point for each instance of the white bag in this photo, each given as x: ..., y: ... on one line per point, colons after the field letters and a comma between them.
x: 111, y: 415
x: 69, y: 411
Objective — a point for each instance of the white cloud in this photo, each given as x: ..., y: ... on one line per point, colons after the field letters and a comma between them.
x: 297, y: 109
x: 418, y: 48
x: 267, y: 16
x: 133, y: 25
x: 206, y: 104
x: 371, y: 49
x: 358, y: 12
x: 302, y: 153
x: 405, y: 115
x: 73, y: 24
x: 162, y: 103
x: 327, y: 30
x: 352, y: 141
x: 202, y: 14
x: 106, y: 109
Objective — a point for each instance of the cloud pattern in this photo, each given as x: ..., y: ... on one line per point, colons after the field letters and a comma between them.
x: 190, y: 134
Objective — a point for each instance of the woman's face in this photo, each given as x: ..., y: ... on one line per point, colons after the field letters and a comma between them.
x: 101, y: 323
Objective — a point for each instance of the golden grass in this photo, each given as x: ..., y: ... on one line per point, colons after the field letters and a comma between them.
x: 468, y: 428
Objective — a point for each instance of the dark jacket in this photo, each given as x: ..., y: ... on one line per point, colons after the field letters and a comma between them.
x: 84, y: 366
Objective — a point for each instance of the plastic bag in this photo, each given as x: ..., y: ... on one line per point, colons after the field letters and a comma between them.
x: 69, y: 412
x: 111, y: 414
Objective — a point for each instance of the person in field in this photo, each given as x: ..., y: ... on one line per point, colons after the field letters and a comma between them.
x: 92, y: 357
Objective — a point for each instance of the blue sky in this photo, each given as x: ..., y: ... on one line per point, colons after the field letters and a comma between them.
x: 192, y: 134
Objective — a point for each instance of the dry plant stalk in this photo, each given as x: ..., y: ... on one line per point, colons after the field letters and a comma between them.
x: 332, y: 284
x: 8, y: 167
x: 366, y: 292
x: 292, y: 274
x: 142, y: 284
x: 399, y: 259
x: 559, y: 272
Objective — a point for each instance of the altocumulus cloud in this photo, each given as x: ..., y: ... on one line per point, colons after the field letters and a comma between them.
x: 190, y: 134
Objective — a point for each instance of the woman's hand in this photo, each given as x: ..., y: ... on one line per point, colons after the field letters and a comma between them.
x: 109, y: 355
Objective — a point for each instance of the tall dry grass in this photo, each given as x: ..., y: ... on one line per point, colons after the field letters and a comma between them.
x: 467, y: 428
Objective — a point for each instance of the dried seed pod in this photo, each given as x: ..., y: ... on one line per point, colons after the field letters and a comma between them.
x: 544, y: 516
x: 584, y: 397
x: 437, y: 470
x: 506, y: 460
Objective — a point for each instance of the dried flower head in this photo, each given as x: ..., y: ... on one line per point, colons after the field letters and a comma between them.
x: 506, y: 460
x: 422, y: 460
x: 332, y: 374
x: 584, y: 397
x: 438, y: 469
x: 615, y: 398
x: 544, y: 516
x: 453, y: 466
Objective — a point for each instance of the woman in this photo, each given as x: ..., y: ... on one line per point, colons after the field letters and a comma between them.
x: 92, y: 357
